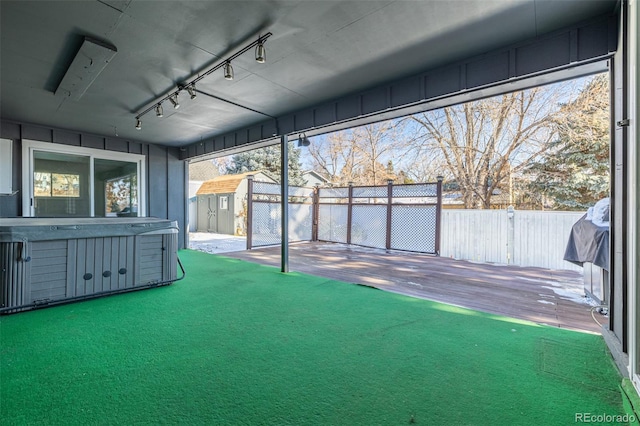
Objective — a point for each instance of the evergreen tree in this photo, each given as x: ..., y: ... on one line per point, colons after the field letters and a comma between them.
x: 268, y: 160
x: 574, y: 173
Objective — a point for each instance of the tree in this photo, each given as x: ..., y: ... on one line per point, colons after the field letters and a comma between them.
x: 574, y: 172
x: 482, y: 143
x: 359, y: 155
x: 268, y: 159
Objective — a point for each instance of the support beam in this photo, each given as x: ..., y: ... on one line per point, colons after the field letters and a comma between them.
x: 284, y: 202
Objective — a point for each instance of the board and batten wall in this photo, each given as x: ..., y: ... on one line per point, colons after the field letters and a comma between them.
x: 525, y: 238
x: 166, y: 173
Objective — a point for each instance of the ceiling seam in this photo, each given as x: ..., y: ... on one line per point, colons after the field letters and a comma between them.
x: 535, y: 16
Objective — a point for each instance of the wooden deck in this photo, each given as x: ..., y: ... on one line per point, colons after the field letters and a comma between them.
x: 543, y: 296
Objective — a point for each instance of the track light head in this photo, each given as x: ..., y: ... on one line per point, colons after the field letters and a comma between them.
x: 303, y: 140
x: 138, y: 124
x: 261, y: 53
x: 159, y: 110
x: 228, y: 71
x: 174, y: 101
x: 192, y: 90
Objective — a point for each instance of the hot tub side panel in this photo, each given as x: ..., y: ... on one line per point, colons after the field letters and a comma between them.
x: 13, y: 271
x: 38, y: 273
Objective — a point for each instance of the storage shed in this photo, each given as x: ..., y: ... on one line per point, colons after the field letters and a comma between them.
x: 222, y: 203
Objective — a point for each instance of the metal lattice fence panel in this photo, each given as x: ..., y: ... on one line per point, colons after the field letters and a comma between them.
x: 370, y: 192
x: 356, y: 215
x: 266, y: 224
x: 266, y: 188
x: 418, y: 190
x: 369, y: 225
x: 413, y: 228
x: 332, y: 223
x: 301, y: 192
x: 333, y: 192
x: 300, y: 222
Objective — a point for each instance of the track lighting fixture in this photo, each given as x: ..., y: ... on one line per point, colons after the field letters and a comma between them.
x: 228, y: 71
x: 174, y: 101
x: 190, y: 86
x: 192, y: 90
x: 261, y: 53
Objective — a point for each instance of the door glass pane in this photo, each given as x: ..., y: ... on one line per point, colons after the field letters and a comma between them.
x: 116, y: 186
x: 60, y: 185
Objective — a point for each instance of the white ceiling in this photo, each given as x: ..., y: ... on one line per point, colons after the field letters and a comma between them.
x: 319, y: 50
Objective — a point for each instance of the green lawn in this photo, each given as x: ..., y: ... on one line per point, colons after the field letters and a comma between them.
x: 238, y: 343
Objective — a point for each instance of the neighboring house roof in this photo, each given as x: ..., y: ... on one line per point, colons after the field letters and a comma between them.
x: 202, y: 170
x: 311, y: 175
x: 227, y: 184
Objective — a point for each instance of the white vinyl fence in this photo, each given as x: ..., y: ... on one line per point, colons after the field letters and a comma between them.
x: 521, y: 237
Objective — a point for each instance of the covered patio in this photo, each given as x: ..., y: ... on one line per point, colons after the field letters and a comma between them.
x: 125, y: 93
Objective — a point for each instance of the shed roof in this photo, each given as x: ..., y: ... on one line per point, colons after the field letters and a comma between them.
x: 226, y: 184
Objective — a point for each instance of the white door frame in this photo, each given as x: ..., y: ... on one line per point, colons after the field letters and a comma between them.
x: 634, y: 198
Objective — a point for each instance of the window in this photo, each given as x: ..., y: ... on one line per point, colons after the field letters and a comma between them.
x: 117, y: 182
x: 121, y: 199
x: 56, y: 185
x: 224, y: 202
x: 68, y: 181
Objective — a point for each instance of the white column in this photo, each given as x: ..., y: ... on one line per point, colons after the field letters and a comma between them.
x: 634, y: 207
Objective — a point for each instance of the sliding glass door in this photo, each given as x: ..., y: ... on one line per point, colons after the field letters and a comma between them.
x: 61, y: 185
x: 116, y: 186
x: 65, y: 181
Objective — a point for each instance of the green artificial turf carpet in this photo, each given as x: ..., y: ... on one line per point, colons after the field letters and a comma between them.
x: 242, y: 344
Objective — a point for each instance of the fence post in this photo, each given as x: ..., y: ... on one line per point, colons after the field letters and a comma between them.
x: 349, y: 212
x: 438, y: 213
x: 511, y: 212
x: 249, y: 211
x: 389, y: 202
x: 315, y: 210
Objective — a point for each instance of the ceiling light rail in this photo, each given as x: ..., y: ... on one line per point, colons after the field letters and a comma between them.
x: 190, y: 87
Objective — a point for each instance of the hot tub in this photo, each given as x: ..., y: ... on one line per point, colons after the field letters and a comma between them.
x: 57, y: 260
